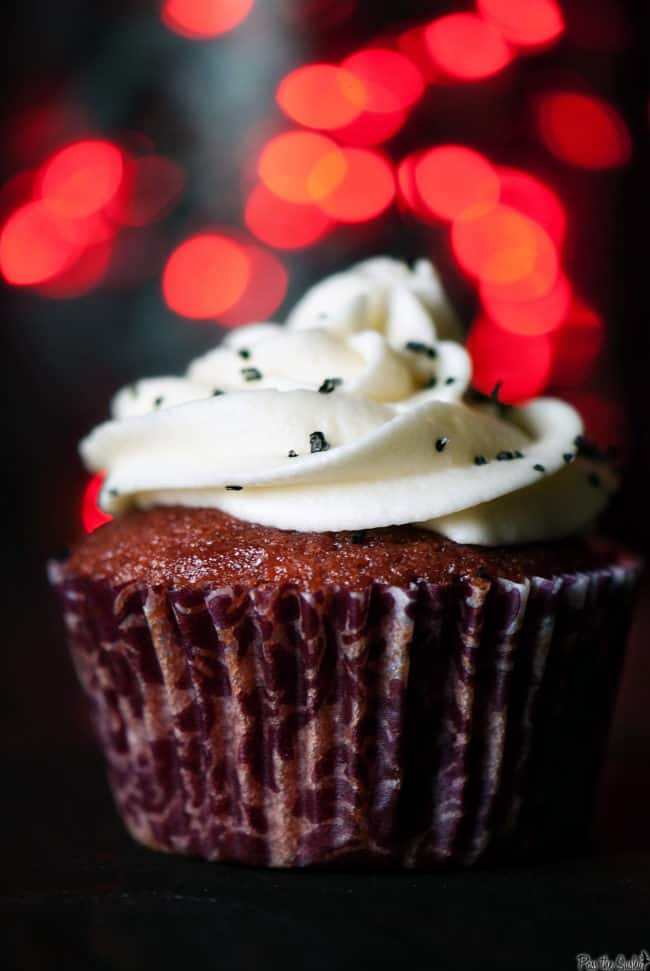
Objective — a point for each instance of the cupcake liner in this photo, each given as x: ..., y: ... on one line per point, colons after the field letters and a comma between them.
x: 417, y: 726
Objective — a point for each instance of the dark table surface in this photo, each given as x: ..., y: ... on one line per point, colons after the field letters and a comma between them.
x: 79, y: 893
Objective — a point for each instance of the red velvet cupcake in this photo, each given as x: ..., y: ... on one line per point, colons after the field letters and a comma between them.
x: 345, y: 611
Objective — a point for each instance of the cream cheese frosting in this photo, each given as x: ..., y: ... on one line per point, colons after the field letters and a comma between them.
x: 353, y: 415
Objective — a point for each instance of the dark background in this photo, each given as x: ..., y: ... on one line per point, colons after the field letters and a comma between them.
x: 78, y: 892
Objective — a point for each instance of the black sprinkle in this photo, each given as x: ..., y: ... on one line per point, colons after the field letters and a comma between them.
x: 113, y: 492
x: 431, y: 382
x: 329, y: 384
x: 217, y: 391
x: 291, y: 454
x: 505, y: 456
x: 493, y: 398
x: 318, y: 442
x: 539, y: 468
x: 450, y: 381
x: 494, y: 393
x: 482, y: 574
x: 419, y: 348
x: 251, y: 374
x: 233, y: 488
x: 589, y: 449
x: 480, y: 460
x: 358, y: 537
x: 440, y: 444
x: 243, y: 352
x: 158, y: 401
x: 517, y: 454
x: 568, y: 457
x: 594, y: 479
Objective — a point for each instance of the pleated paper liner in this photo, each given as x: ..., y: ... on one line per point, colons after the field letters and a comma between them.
x: 416, y: 726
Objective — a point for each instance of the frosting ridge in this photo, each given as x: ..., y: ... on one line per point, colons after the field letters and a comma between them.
x: 351, y: 417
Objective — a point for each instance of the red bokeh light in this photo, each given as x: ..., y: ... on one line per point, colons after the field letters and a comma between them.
x: 577, y: 345
x: 529, y: 24
x: 504, y: 248
x: 321, y: 96
x: 367, y: 189
x: 467, y: 47
x: 82, y: 276
x: 198, y: 19
x: 534, y: 199
x: 91, y: 515
x: 267, y: 288
x: 522, y: 364
x: 82, y: 178
x: 371, y: 128
x: 451, y: 179
x: 412, y: 43
x: 390, y: 81
x: 407, y: 187
x: 98, y: 228
x: 392, y: 84
x: 205, y: 276
x: 583, y: 130
x: 153, y: 184
x: 537, y: 316
x: 32, y: 247
x: 285, y: 225
x: 301, y: 166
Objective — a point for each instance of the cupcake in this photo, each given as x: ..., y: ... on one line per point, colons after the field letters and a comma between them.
x: 346, y: 609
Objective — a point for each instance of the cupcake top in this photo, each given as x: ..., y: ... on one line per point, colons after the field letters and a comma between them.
x: 354, y: 414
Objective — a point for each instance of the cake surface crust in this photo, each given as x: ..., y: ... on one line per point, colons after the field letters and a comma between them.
x: 176, y: 545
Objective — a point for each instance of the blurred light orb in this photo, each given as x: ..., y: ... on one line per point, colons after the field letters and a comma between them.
x: 530, y: 196
x: 535, y: 316
x: 281, y: 224
x: 82, y: 276
x: 502, y: 247
x: 267, y: 288
x: 412, y: 43
x: 407, y: 189
x: 91, y: 515
x: 467, y: 47
x: 33, y: 248
x: 205, y: 276
x: 371, y: 128
x: 367, y: 188
x: 98, y: 228
x: 202, y: 19
x: 390, y: 81
x: 527, y: 23
x: 321, y: 96
x: 521, y: 363
x: 452, y: 179
x: 82, y: 178
x: 301, y: 166
x: 583, y: 130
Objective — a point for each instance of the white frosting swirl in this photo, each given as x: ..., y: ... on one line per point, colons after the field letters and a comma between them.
x: 350, y: 417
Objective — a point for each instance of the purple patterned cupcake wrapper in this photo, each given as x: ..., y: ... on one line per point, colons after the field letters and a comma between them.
x: 414, y: 726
